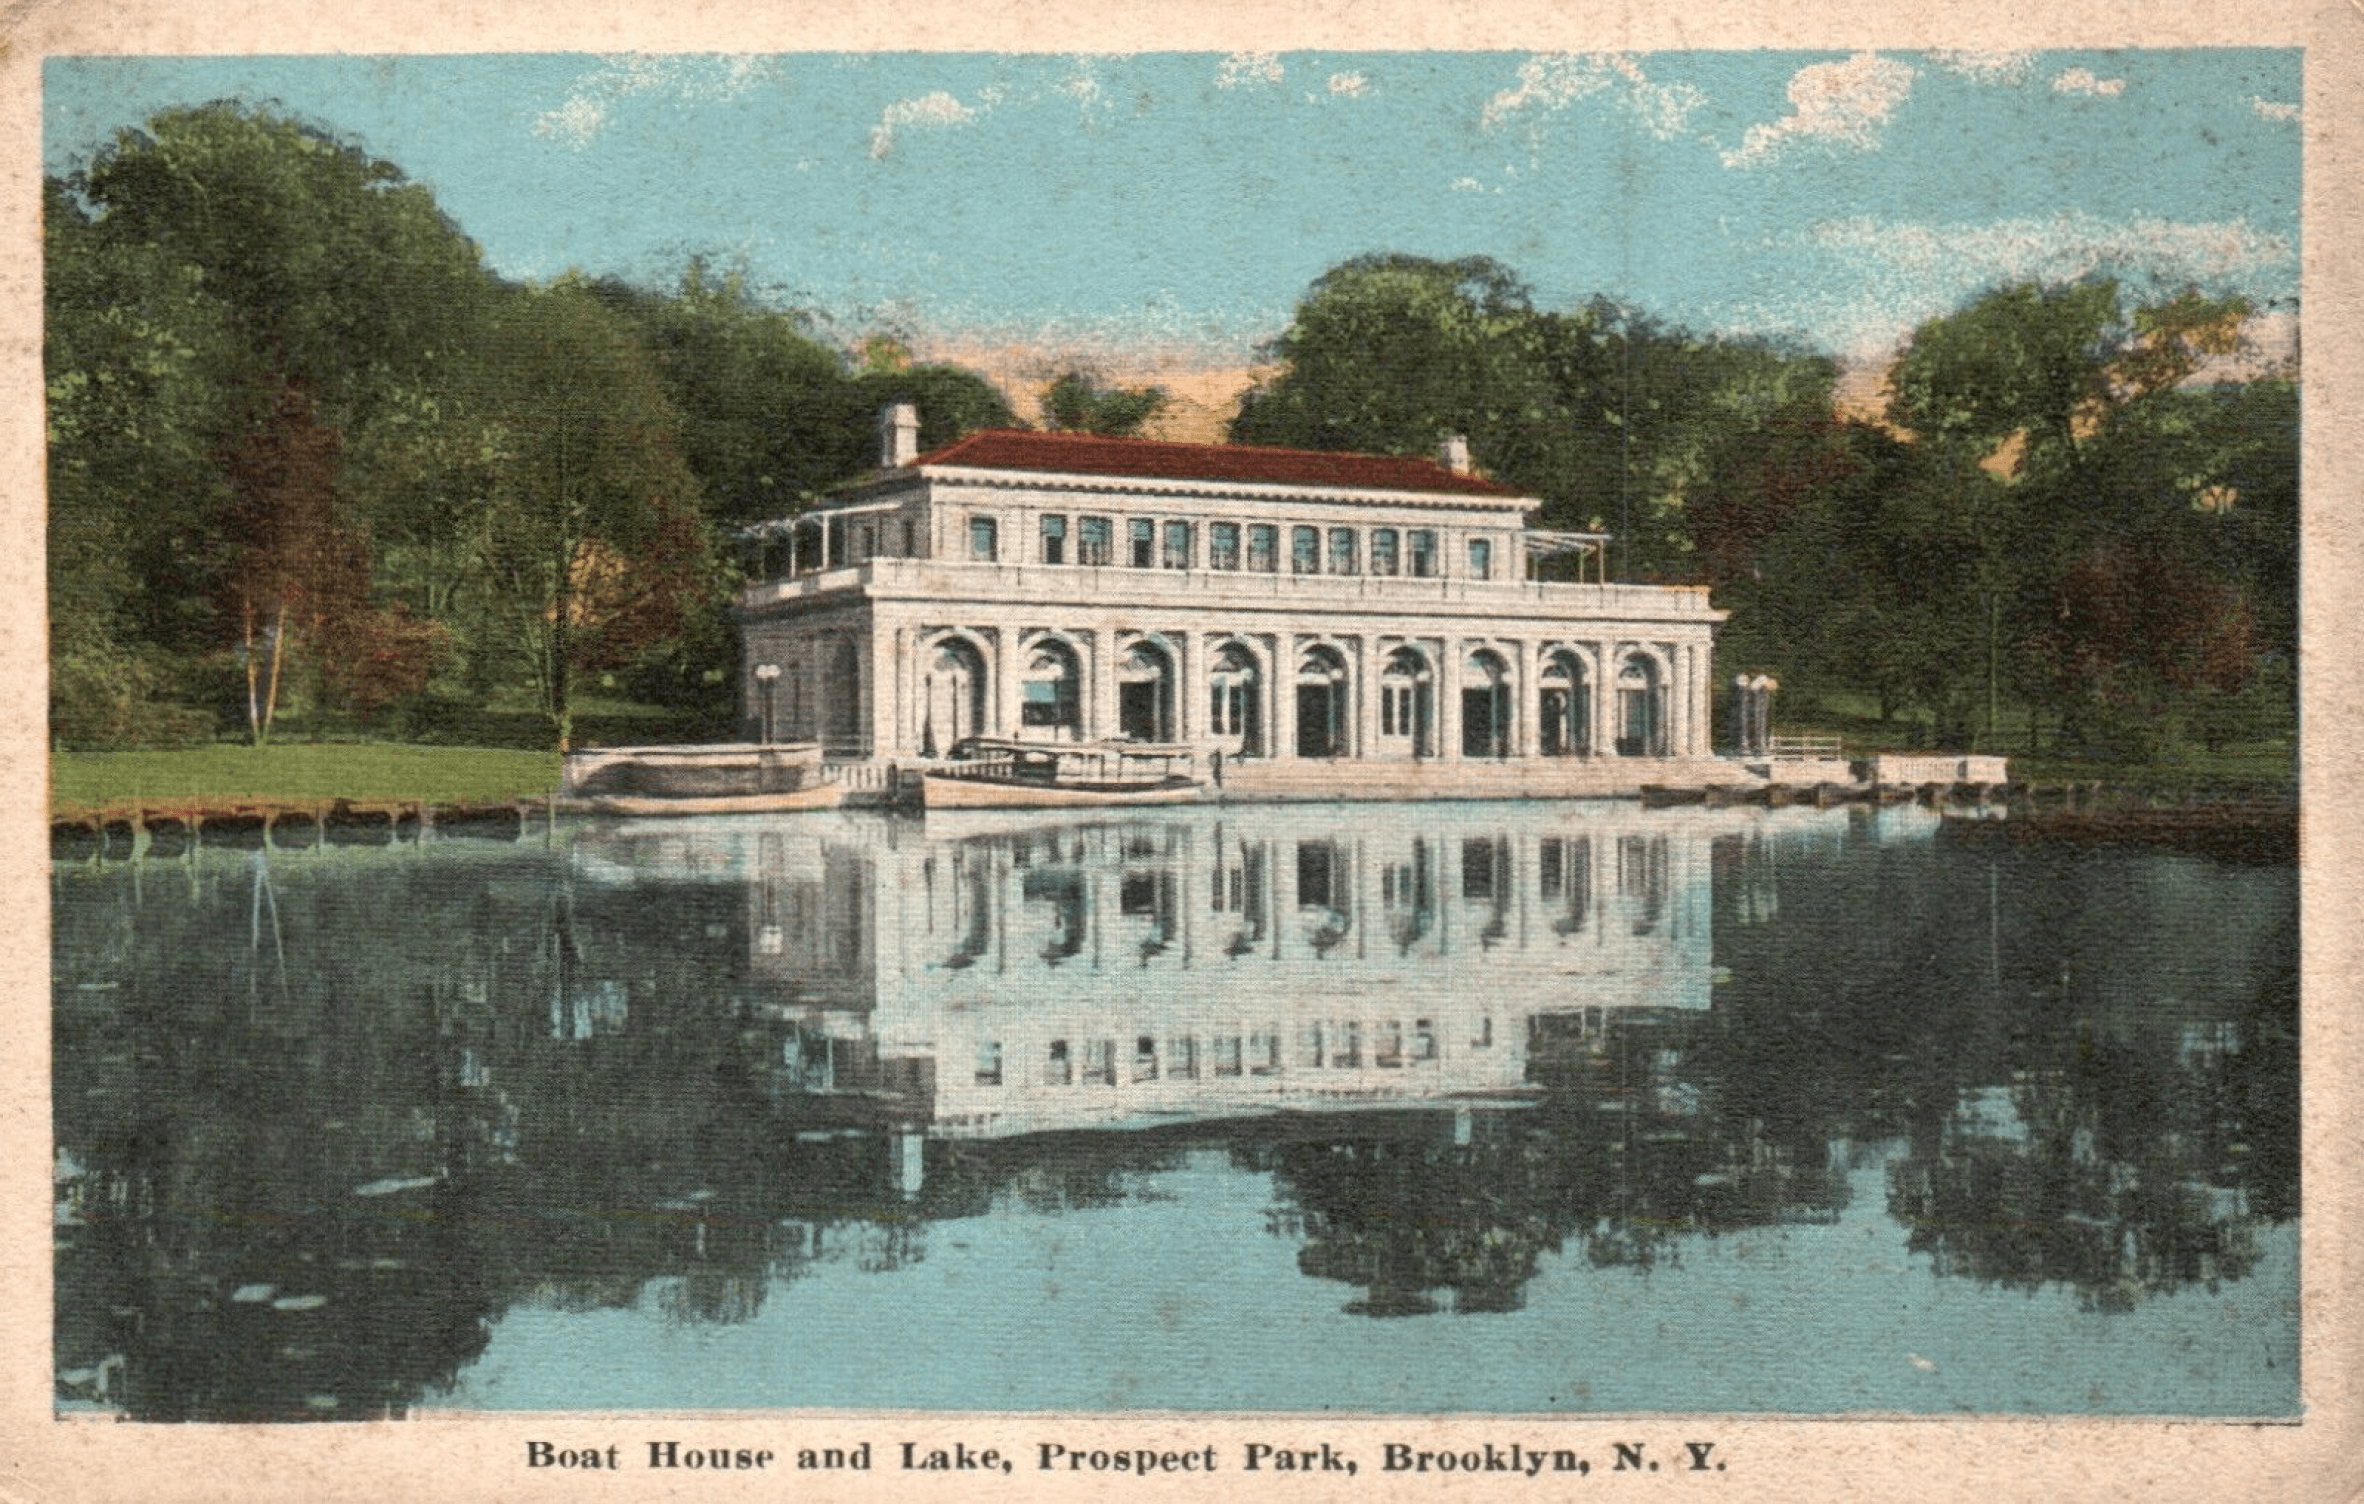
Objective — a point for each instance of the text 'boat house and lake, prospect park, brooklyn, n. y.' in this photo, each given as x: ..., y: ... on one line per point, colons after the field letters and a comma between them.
x: 1331, y: 766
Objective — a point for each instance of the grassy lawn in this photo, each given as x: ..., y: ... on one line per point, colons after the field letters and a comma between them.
x: 336, y: 770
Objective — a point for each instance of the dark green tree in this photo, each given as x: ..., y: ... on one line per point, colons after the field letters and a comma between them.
x: 1077, y: 402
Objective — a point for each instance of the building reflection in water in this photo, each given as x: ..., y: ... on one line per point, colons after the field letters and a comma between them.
x: 1040, y: 976
x: 325, y: 1117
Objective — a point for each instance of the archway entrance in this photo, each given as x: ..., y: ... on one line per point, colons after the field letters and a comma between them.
x: 1563, y: 710
x: 1235, y: 700
x: 1407, y: 705
x: 1050, y: 704
x: 1321, y: 704
x: 1145, y: 694
x: 1485, y: 705
x: 1641, y: 715
x: 956, y: 701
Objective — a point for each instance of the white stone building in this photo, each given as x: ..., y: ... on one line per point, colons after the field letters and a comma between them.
x: 1271, y: 604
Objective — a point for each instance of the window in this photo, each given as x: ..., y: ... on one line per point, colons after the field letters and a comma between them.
x: 908, y: 551
x: 1054, y: 539
x: 1144, y: 539
x: 1179, y: 545
x: 1305, y: 550
x: 1344, y: 547
x: 1223, y: 545
x: 869, y: 541
x: 1481, y: 559
x: 1423, y: 551
x: 1263, y: 548
x: 1383, y: 550
x: 1093, y: 538
x: 984, y: 544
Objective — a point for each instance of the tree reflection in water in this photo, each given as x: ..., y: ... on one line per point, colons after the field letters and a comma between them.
x: 307, y: 1164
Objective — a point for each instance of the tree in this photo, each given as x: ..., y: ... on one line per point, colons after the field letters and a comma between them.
x: 1077, y: 402
x: 591, y: 538
x: 1388, y: 353
x: 2111, y: 572
x: 329, y: 292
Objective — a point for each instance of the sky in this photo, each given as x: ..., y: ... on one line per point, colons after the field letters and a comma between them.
x: 1181, y: 203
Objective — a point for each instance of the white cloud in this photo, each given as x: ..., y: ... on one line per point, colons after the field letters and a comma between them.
x: 2082, y: 81
x: 2001, y: 68
x: 687, y: 80
x: 1249, y: 68
x: 937, y: 110
x: 1552, y: 81
x: 1350, y: 84
x: 1901, y: 273
x: 1843, y: 104
x: 1083, y: 85
x: 2268, y: 110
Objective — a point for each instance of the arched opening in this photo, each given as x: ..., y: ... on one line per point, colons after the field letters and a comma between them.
x: 841, y: 698
x: 1235, y: 700
x: 955, y: 703
x: 1407, y: 705
x: 1321, y: 703
x: 1145, y: 694
x: 1641, y: 708
x: 1050, y: 702
x: 1563, y: 708
x: 1485, y: 705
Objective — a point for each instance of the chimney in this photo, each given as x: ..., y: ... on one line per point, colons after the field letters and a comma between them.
x: 1453, y: 454
x: 898, y: 435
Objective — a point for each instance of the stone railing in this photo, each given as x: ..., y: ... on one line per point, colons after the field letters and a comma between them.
x: 1038, y: 583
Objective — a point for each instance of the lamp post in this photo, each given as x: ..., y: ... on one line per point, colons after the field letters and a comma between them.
x: 767, y: 675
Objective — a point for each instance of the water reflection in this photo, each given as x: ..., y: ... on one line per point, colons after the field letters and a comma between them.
x: 327, y: 1119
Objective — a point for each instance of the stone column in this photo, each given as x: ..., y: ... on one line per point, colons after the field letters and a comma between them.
x: 1280, y: 729
x: 1366, y: 697
x: 1706, y: 681
x: 1100, y: 700
x: 1525, y: 702
x: 1448, y: 697
x: 1190, y: 690
x: 1604, y: 703
x: 1004, y: 698
x: 1678, y: 702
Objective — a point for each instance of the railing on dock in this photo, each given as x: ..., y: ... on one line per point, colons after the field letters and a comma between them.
x: 1804, y: 748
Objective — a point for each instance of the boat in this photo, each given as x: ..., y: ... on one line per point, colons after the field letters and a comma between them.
x: 986, y: 774
x: 813, y: 796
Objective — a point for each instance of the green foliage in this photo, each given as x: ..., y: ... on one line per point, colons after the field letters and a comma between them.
x: 1076, y: 402
x: 590, y: 532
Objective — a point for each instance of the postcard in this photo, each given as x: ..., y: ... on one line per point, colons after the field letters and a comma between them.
x: 930, y: 752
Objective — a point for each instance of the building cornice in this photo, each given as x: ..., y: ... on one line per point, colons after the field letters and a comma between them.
x: 1219, y: 490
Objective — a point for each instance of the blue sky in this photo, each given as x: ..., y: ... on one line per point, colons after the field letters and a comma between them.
x: 1184, y: 201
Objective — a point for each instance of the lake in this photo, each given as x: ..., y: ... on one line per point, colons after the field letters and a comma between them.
x: 1496, y: 1108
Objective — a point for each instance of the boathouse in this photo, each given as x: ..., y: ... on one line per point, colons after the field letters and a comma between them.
x: 1278, y: 606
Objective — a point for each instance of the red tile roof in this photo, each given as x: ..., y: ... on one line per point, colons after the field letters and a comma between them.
x: 1088, y: 454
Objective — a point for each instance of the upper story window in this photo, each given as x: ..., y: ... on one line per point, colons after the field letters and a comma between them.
x: 1481, y: 559
x: 1143, y: 534
x: 1263, y: 547
x: 1305, y: 550
x: 909, y: 552
x: 1383, y: 550
x: 1422, y: 547
x: 1222, y: 545
x: 1345, y: 546
x: 1179, y: 545
x: 1054, y: 539
x: 869, y: 540
x: 1094, y: 538
x: 984, y: 540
